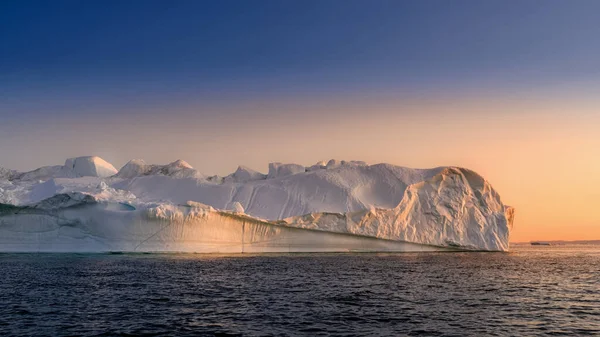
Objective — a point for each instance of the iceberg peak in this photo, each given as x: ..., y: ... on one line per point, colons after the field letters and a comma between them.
x: 277, y: 170
x: 245, y: 174
x: 90, y: 166
x: 181, y: 164
x: 178, y: 169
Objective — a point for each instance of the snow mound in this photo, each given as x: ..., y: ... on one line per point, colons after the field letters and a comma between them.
x: 48, y: 172
x: 235, y: 207
x: 243, y: 175
x: 91, y: 166
x: 6, y: 174
x: 333, y: 164
x: 134, y: 168
x: 318, y: 166
x: 177, y: 169
x: 278, y: 170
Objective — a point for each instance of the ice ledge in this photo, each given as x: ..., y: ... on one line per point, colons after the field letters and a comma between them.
x: 49, y: 226
x: 192, y: 228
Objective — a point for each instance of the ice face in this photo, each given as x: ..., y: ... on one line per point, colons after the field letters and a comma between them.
x: 85, y: 226
x: 442, y: 207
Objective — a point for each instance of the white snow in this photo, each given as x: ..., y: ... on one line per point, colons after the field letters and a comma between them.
x: 177, y: 169
x: 134, y: 168
x: 90, y: 166
x: 6, y: 174
x: 318, y: 166
x: 442, y: 207
x: 277, y: 170
x: 244, y: 174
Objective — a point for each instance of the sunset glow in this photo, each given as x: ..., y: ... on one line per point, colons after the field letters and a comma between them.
x: 519, y: 106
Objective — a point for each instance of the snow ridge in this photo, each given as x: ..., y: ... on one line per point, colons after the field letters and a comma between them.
x: 177, y: 169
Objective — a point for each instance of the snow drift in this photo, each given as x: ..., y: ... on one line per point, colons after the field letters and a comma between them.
x: 86, y: 205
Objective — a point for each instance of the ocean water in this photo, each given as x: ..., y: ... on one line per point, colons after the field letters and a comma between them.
x: 531, y: 291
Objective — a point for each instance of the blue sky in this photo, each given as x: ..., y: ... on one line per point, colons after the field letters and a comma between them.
x: 134, y: 49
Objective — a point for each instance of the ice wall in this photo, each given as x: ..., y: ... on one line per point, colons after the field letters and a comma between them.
x: 91, y: 227
x: 456, y: 207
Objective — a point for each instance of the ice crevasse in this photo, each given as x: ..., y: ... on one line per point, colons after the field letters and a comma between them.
x: 86, y: 205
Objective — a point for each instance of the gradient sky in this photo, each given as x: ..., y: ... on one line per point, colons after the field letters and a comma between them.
x: 510, y: 89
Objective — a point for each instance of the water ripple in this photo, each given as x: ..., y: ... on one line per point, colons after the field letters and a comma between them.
x: 531, y: 292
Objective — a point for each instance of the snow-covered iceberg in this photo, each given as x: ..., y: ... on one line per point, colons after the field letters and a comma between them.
x: 87, y: 205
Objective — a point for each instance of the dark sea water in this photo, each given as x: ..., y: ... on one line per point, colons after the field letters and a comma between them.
x: 532, y: 291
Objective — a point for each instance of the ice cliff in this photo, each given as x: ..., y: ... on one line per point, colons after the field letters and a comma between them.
x: 87, y: 205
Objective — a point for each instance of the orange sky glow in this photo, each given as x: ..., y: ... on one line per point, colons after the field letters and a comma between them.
x: 541, y: 153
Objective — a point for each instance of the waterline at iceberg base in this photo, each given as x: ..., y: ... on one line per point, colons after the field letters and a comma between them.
x: 88, y: 206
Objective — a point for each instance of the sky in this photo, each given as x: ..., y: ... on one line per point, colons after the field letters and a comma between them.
x: 509, y: 89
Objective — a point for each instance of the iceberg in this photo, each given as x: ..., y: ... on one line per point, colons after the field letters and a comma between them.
x: 86, y: 205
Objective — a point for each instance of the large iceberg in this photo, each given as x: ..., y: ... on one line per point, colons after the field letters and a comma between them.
x: 87, y: 205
